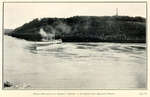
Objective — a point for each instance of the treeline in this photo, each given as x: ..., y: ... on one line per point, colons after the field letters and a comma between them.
x: 8, y: 31
x: 86, y: 29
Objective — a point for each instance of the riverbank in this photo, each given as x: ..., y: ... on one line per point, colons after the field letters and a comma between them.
x: 122, y: 29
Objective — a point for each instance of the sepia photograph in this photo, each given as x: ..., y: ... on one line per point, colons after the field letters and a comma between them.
x: 74, y: 46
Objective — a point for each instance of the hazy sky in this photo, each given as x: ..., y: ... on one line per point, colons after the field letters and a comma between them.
x: 16, y: 14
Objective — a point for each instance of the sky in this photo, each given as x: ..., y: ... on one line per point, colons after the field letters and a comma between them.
x: 16, y: 14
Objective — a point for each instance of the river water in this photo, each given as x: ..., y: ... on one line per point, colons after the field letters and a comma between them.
x: 74, y: 65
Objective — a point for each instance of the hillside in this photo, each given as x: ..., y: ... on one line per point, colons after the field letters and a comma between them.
x: 87, y: 29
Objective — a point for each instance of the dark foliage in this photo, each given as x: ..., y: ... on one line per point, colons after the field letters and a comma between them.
x: 87, y: 29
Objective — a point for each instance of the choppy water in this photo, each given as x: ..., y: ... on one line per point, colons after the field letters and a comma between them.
x: 74, y: 65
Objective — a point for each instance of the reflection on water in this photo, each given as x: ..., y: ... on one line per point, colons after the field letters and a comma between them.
x: 74, y: 65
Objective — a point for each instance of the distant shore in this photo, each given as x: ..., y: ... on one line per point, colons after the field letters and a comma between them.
x: 120, y: 29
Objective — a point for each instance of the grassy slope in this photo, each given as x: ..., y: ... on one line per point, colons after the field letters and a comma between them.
x: 86, y: 29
